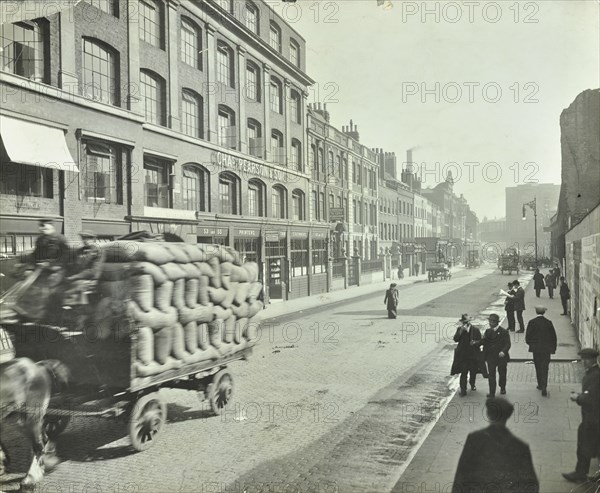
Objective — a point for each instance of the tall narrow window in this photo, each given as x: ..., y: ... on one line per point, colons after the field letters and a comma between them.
x: 228, y: 193
x: 152, y: 89
x: 195, y: 189
x: 191, y: 44
x: 191, y: 121
x: 252, y: 82
x: 294, y: 53
x: 275, y: 37
x: 278, y: 202
x: 102, y: 174
x: 109, y: 6
x: 314, y: 208
x: 321, y: 206
x: 251, y: 20
x: 23, y: 49
x: 296, y: 107
x: 150, y: 17
x: 226, y: 131
x: 225, y: 73
x: 256, y: 198
x: 157, y: 192
x: 298, y: 205
x: 296, y: 155
x: 255, y: 141
x: 276, y: 96
x: 100, y: 73
x: 277, y: 149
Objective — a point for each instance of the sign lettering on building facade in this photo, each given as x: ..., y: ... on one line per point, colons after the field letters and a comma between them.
x: 245, y: 166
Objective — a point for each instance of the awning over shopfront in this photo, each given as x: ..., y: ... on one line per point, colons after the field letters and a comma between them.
x: 35, y: 144
x: 22, y: 10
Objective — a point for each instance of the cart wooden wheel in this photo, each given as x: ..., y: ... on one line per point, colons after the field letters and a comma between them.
x: 219, y: 391
x: 147, y: 420
x: 55, y: 424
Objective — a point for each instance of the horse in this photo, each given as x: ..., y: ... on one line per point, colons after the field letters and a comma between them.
x: 26, y: 388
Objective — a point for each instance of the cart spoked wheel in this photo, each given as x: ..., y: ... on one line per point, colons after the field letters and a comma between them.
x: 55, y: 424
x: 147, y: 420
x: 219, y: 391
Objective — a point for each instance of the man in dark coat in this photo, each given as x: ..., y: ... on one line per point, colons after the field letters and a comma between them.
x: 538, y: 282
x: 466, y: 354
x: 496, y: 343
x: 588, y: 433
x: 550, y: 284
x: 391, y: 300
x: 509, y: 307
x: 493, y: 459
x: 541, y: 338
x: 87, y: 271
x: 519, y: 303
x: 565, y: 295
x: 50, y: 247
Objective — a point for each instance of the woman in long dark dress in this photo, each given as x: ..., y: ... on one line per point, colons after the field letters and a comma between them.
x: 391, y: 300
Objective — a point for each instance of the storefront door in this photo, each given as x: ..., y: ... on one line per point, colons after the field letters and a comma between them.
x: 276, y: 278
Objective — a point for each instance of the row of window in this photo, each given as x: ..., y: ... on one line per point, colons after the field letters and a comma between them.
x: 396, y: 207
x: 396, y: 232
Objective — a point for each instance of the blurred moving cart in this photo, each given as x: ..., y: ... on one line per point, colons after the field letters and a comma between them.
x: 438, y: 269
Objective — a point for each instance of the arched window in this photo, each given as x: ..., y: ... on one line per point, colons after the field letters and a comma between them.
x: 229, y: 190
x: 152, y: 90
x: 296, y: 155
x: 191, y: 44
x: 226, y: 129
x: 276, y: 96
x: 313, y: 161
x: 330, y: 168
x: 255, y: 140
x: 100, y: 72
x: 253, y: 86
x: 225, y: 65
x: 252, y: 17
x: 192, y: 114
x: 278, y: 153
x: 226, y: 5
x: 321, y: 160
x: 151, y: 24
x: 296, y: 107
x: 256, y: 198
x: 275, y: 37
x: 195, y: 188
x: 278, y: 202
x: 298, y: 206
x: 294, y: 53
x: 24, y: 47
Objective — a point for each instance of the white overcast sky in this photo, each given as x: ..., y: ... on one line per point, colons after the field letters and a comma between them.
x: 367, y: 60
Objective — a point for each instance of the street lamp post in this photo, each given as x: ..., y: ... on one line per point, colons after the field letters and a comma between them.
x: 532, y: 206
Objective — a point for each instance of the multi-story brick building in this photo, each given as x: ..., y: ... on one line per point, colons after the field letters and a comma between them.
x: 344, y: 184
x: 162, y: 115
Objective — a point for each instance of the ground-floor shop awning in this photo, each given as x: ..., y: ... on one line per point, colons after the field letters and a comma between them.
x: 35, y: 144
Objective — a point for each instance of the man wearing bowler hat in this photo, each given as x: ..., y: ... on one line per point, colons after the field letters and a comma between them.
x: 541, y: 338
x: 496, y: 343
x: 493, y: 459
x: 466, y: 355
x: 588, y: 433
x: 518, y: 298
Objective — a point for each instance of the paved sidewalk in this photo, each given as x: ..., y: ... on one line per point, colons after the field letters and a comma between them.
x: 547, y: 424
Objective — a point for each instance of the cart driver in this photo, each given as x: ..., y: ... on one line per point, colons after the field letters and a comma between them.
x: 87, y: 271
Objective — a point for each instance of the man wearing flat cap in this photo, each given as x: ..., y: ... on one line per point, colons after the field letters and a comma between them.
x: 496, y: 343
x: 50, y: 247
x: 588, y: 433
x: 495, y: 459
x: 541, y: 338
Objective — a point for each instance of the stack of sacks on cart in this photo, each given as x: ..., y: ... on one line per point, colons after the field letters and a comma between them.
x: 190, y: 303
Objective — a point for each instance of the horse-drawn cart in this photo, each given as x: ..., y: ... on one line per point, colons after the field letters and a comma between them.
x: 438, y: 269
x: 161, y: 316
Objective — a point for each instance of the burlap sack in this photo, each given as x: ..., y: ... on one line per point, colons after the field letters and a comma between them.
x: 254, y: 291
x: 222, y: 313
x: 241, y: 311
x: 239, y: 274
x: 240, y: 328
x: 179, y: 293
x: 178, y: 351
x: 207, y: 355
x: 229, y: 330
x: 226, y: 268
x: 173, y: 271
x: 163, y: 296
x: 203, y: 339
x: 191, y: 271
x: 154, y: 270
x: 163, y: 344
x: 205, y: 269
x: 215, y: 280
x: 191, y: 292
x: 155, y: 319
x: 241, y: 293
x: 255, y: 308
x: 198, y: 314
x: 216, y: 295
x: 127, y: 251
x: 178, y: 251
x: 215, y: 333
x: 145, y: 345
x: 203, y: 297
x: 252, y: 269
x: 190, y: 334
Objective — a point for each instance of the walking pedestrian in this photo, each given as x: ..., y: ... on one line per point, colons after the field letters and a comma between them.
x: 466, y: 354
x: 541, y: 338
x: 565, y: 295
x: 400, y: 272
x: 496, y: 343
x: 391, y: 300
x: 588, y: 433
x: 509, y: 307
x: 550, y: 284
x: 493, y: 458
x: 519, y: 303
x: 538, y: 282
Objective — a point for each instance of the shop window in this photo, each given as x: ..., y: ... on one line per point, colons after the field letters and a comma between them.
x: 275, y: 248
x: 150, y: 19
x: 195, y: 188
x: 319, y: 256
x: 256, y: 198
x: 102, y: 174
x: 12, y: 244
x: 191, y: 44
x: 100, y: 72
x: 192, y: 114
x: 298, y: 205
x: 157, y: 190
x: 24, y: 49
x: 25, y: 180
x: 278, y: 202
x: 248, y: 248
x: 299, y: 257
x: 229, y: 193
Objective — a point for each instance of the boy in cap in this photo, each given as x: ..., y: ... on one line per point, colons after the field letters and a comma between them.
x: 588, y: 433
x: 496, y: 343
x: 494, y: 457
x: 541, y: 338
